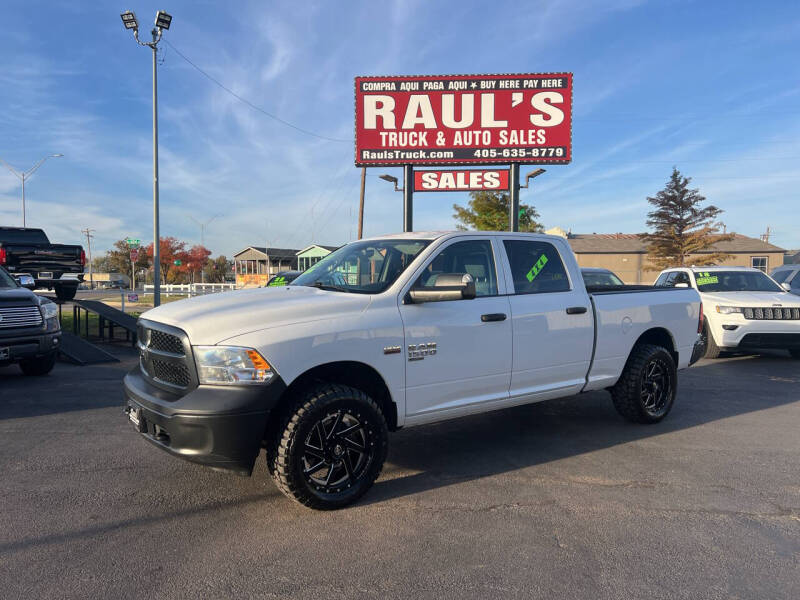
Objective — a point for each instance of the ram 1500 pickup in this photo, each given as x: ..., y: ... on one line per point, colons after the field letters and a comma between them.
x: 59, y: 267
x: 392, y: 332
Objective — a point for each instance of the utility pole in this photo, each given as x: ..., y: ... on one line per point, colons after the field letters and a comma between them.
x: 203, y: 241
x: 765, y: 236
x: 25, y: 175
x: 162, y: 22
x: 88, y: 233
x: 361, y: 203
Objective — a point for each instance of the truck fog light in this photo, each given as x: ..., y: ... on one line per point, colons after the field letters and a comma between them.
x: 231, y: 365
x: 730, y: 327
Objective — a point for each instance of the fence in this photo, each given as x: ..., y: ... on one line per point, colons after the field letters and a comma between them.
x: 192, y: 289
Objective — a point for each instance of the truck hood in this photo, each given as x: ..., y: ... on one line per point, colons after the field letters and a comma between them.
x: 752, y: 299
x: 211, y: 319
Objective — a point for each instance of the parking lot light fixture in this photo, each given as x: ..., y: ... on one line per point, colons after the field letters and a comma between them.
x: 163, y: 21
x: 531, y: 175
x: 391, y: 179
x: 129, y: 20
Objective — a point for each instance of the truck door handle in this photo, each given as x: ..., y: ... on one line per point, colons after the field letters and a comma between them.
x: 493, y: 317
x: 576, y: 310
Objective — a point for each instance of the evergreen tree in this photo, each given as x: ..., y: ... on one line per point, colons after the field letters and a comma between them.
x: 488, y: 211
x: 681, y: 227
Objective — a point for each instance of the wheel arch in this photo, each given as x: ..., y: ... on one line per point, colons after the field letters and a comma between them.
x: 352, y: 373
x: 658, y: 336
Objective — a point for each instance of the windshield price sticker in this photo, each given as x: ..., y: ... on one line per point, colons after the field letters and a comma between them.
x: 706, y: 279
x: 464, y: 119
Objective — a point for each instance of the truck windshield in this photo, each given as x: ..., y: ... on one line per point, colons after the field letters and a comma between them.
x: 23, y: 236
x: 6, y: 281
x: 367, y: 267
x: 735, y: 281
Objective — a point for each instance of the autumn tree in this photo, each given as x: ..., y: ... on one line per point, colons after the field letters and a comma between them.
x: 488, y: 211
x: 216, y: 269
x: 118, y: 260
x: 196, y: 259
x: 681, y: 227
x: 171, y: 250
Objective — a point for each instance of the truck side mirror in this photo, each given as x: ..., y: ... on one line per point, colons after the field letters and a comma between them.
x: 26, y: 281
x: 448, y: 286
x: 786, y: 286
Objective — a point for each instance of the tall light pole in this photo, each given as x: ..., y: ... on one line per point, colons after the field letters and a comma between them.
x: 514, y: 212
x: 203, y: 241
x: 25, y: 175
x: 163, y: 21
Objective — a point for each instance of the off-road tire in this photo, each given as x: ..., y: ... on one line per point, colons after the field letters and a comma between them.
x: 628, y: 392
x: 712, y: 350
x: 65, y: 293
x: 288, y: 446
x: 795, y: 352
x: 38, y: 366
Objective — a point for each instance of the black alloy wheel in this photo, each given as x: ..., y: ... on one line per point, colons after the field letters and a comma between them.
x: 329, y: 447
x: 655, y: 386
x: 338, y: 451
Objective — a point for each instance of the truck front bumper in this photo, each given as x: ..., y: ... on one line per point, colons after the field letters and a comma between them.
x: 221, y: 427
x: 18, y: 347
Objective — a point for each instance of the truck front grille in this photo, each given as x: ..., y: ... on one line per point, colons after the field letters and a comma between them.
x: 772, y: 313
x: 20, y: 316
x: 165, y: 356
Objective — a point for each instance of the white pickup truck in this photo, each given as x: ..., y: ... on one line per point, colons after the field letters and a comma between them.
x: 392, y: 332
x: 745, y: 309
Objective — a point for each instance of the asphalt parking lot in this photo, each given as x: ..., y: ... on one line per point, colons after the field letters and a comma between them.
x: 561, y: 499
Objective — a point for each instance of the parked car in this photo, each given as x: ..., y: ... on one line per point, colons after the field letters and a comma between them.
x: 392, y: 332
x: 787, y: 276
x: 745, y: 310
x: 596, y: 277
x: 283, y: 278
x: 29, y: 328
x: 56, y: 267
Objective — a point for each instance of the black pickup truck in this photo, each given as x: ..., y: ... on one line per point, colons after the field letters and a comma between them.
x: 29, y: 327
x: 56, y: 267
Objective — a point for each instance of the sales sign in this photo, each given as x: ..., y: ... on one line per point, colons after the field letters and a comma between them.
x: 461, y: 180
x: 464, y: 119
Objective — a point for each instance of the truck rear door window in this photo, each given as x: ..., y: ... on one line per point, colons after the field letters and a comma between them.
x: 536, y: 267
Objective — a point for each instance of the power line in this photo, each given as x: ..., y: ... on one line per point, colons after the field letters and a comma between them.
x: 250, y: 104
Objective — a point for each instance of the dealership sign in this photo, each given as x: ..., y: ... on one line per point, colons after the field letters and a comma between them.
x: 464, y: 119
x: 461, y: 181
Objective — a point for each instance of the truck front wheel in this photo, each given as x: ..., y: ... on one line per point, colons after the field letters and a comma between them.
x: 646, y: 389
x: 41, y: 365
x: 330, y: 448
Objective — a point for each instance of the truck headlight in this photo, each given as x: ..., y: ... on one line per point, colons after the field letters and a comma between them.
x: 231, y: 365
x: 49, y: 310
x: 728, y: 310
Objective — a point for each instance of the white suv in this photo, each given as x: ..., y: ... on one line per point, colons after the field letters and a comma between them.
x: 744, y: 308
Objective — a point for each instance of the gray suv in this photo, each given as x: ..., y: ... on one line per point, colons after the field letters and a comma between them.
x: 789, y: 278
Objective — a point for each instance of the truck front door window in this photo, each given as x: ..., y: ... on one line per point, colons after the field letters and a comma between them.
x: 474, y: 257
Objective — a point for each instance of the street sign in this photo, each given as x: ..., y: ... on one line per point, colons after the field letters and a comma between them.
x: 461, y: 180
x: 134, y: 254
x: 177, y: 263
x: 133, y: 242
x: 133, y: 297
x: 463, y: 119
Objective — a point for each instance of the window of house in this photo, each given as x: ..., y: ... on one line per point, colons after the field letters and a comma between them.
x: 759, y: 262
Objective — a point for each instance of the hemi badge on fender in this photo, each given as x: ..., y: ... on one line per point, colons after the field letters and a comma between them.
x: 392, y: 350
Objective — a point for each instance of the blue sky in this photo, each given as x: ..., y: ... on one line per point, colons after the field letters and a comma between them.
x: 710, y: 87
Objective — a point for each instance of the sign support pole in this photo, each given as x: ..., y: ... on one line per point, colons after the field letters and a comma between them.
x: 513, y: 205
x: 408, y: 198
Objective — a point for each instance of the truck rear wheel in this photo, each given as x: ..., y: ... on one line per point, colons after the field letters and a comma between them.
x: 646, y: 389
x: 330, y: 448
x: 66, y: 292
x: 41, y: 365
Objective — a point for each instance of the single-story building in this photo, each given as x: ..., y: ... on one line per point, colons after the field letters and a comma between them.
x: 254, y: 265
x: 626, y: 253
x: 311, y: 255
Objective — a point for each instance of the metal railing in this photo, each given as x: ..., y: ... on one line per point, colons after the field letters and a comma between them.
x: 191, y: 289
